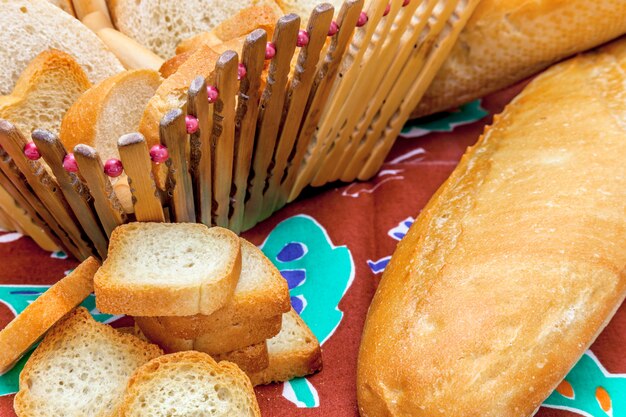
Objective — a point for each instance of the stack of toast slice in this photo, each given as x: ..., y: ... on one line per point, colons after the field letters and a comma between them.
x: 205, y: 289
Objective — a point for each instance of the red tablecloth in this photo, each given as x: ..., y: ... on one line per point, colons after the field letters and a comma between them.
x: 332, y: 245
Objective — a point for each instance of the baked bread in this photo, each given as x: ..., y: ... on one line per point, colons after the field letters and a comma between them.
x: 260, y: 298
x: 250, y: 359
x: 54, y: 29
x: 294, y: 352
x: 303, y: 8
x: 26, y: 329
x: 175, y: 269
x: 108, y: 110
x: 81, y: 368
x: 44, y: 92
x: 507, y: 40
x: 225, y: 340
x: 160, y: 25
x: 189, y: 384
x: 517, y: 262
x: 65, y: 5
x: 172, y: 93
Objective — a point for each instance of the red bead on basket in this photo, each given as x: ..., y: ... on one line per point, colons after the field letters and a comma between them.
x: 31, y: 152
x: 362, y: 19
x: 387, y: 9
x: 241, y: 71
x: 69, y: 163
x: 303, y: 38
x: 159, y: 154
x: 192, y: 124
x: 113, y: 167
x: 406, y: 3
x: 270, y: 50
x: 333, y: 29
x: 212, y: 93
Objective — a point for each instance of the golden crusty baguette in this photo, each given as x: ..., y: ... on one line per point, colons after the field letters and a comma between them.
x: 130, y: 53
x: 96, y: 21
x: 508, y: 40
x: 517, y: 262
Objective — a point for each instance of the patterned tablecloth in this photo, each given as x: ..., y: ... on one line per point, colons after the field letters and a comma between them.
x: 332, y: 246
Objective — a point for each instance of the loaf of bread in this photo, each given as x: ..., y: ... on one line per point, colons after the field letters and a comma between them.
x: 507, y: 40
x: 32, y: 26
x: 517, y: 262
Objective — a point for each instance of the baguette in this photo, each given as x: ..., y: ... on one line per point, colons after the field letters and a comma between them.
x: 189, y: 384
x: 517, y: 262
x: 81, y: 368
x: 168, y: 269
x: 54, y: 29
x: 50, y: 307
x: 507, y: 40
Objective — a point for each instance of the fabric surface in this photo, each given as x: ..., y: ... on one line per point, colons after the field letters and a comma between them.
x: 332, y: 246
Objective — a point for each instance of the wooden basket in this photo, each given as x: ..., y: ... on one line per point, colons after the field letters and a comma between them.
x: 333, y: 117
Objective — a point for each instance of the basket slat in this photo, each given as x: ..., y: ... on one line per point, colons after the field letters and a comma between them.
x: 374, y: 62
x: 75, y: 192
x: 106, y: 203
x: 43, y: 188
x: 200, y: 149
x: 253, y: 59
x: 270, y: 114
x: 138, y: 167
x: 173, y: 134
x: 299, y: 172
x: 295, y: 104
x: 223, y: 135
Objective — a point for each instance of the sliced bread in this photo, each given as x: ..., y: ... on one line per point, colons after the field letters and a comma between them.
x: 161, y: 24
x: 32, y: 26
x: 189, y: 384
x: 250, y: 359
x: 294, y: 352
x: 65, y: 5
x: 50, y: 307
x: 44, y: 92
x: 303, y: 8
x: 81, y: 368
x: 168, y: 269
x: 172, y: 93
x: 108, y: 110
x: 260, y: 298
x: 225, y: 340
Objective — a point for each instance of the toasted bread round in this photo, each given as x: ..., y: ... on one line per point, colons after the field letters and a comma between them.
x: 60, y: 299
x: 189, y: 383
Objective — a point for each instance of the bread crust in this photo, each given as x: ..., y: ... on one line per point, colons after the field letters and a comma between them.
x: 32, y: 324
x: 144, y: 299
x: 515, y: 264
x: 507, y: 40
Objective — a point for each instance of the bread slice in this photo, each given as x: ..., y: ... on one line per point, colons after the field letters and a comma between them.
x: 32, y: 26
x: 65, y: 5
x: 250, y: 359
x: 44, y: 92
x: 225, y: 340
x: 81, y: 368
x: 50, y: 307
x: 161, y: 25
x: 294, y: 352
x: 189, y: 384
x: 303, y: 8
x: 172, y: 93
x: 158, y: 269
x: 109, y: 110
x: 260, y: 298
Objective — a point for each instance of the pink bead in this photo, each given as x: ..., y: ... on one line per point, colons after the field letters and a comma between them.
x: 212, y: 93
x: 192, y: 124
x: 303, y: 39
x: 69, y: 163
x: 387, y: 9
x: 333, y: 29
x: 159, y: 154
x: 406, y: 3
x: 31, y: 151
x: 270, y: 50
x: 362, y: 20
x: 113, y: 168
x: 241, y: 71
